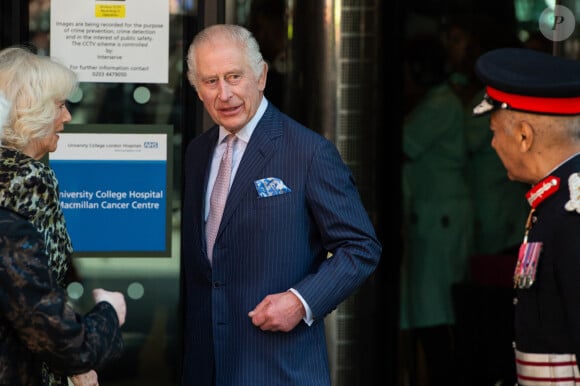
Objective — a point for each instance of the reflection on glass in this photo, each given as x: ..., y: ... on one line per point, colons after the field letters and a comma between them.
x: 142, y: 95
x: 75, y: 290
x: 135, y: 291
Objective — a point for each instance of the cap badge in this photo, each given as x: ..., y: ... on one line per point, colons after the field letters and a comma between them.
x: 483, y: 107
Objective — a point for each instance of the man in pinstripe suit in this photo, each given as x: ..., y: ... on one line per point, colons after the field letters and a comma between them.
x: 294, y: 240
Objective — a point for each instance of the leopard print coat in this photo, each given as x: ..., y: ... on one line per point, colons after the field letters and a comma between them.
x: 30, y: 188
x: 37, y: 324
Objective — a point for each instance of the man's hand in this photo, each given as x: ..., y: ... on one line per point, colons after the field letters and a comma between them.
x: 278, y: 312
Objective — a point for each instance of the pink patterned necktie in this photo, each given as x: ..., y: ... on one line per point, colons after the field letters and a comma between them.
x: 219, y: 194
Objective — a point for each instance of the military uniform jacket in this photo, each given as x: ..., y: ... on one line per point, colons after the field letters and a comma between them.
x: 547, y: 314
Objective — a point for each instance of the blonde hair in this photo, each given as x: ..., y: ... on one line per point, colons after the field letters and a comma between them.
x: 4, y: 109
x: 234, y: 33
x: 33, y: 85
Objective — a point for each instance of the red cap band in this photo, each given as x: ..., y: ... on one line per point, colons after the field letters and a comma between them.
x: 562, y: 106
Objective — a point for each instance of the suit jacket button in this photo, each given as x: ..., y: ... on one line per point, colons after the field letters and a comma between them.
x: 217, y: 284
x: 515, y: 301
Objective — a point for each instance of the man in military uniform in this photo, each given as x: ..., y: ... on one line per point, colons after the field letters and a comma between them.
x: 534, y: 103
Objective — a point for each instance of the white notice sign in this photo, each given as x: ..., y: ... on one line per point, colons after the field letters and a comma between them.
x: 119, y: 41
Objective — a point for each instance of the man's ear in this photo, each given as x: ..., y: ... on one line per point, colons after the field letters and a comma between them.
x: 525, y: 135
x: 263, y: 76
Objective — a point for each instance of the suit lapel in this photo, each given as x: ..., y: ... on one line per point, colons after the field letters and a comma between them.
x: 262, y: 147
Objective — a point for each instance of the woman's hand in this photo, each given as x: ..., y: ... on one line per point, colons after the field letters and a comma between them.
x: 86, y: 379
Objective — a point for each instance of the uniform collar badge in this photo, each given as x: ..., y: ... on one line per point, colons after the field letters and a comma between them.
x: 545, y: 189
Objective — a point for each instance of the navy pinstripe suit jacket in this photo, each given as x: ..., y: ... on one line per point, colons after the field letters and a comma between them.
x: 267, y: 245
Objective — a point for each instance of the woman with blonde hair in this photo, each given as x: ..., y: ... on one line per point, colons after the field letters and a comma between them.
x: 36, y: 89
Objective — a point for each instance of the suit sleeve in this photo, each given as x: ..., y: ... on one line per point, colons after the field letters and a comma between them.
x: 37, y: 310
x: 345, y: 230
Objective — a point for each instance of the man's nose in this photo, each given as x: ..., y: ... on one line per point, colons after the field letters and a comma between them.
x: 225, y: 91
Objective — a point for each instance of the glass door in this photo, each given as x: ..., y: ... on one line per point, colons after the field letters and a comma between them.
x: 151, y: 284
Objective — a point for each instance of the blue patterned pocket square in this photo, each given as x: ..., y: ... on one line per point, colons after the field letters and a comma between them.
x: 271, y: 186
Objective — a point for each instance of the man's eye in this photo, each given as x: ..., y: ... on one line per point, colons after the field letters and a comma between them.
x: 234, y: 78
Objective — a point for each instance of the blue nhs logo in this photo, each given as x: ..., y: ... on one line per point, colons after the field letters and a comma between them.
x: 151, y: 145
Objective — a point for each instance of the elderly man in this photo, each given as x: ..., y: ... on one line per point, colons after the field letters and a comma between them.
x: 534, y: 101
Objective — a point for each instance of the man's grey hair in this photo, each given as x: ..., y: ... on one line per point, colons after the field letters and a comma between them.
x: 235, y: 33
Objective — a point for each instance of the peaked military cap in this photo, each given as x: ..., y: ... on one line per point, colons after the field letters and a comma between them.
x: 530, y: 81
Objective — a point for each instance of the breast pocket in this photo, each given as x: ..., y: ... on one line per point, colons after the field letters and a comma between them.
x: 275, y: 213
